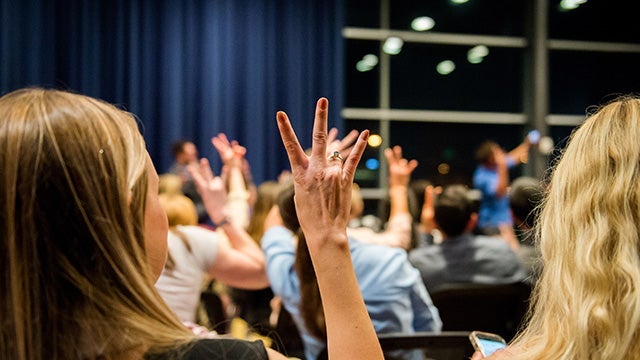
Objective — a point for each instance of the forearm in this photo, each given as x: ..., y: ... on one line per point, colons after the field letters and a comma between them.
x: 398, y: 199
x: 240, y: 240
x: 238, y: 198
x: 354, y: 338
x: 503, y: 180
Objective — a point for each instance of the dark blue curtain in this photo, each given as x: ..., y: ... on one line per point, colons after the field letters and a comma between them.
x: 187, y: 69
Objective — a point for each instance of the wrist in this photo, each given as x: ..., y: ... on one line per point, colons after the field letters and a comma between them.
x: 221, y: 221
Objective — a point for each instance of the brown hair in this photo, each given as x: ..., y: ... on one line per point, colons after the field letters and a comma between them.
x: 310, y: 301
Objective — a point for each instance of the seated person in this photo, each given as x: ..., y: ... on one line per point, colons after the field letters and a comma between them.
x: 194, y: 251
x: 524, y: 201
x: 463, y: 256
x: 399, y: 227
x: 393, y: 292
x: 84, y: 238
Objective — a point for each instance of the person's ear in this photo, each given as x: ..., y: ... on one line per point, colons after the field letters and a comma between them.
x: 473, y: 221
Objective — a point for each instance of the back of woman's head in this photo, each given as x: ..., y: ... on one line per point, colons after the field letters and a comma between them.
x: 589, y: 238
x: 73, y: 190
x: 179, y: 208
x: 170, y: 184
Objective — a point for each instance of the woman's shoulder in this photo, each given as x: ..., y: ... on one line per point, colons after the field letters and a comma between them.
x: 215, y: 349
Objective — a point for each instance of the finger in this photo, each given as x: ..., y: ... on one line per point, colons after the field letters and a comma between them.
x: 296, y: 155
x: 348, y: 140
x: 397, y: 152
x: 218, y: 145
x: 319, y: 145
x: 223, y: 137
x: 388, y: 154
x: 333, y: 134
x: 205, y: 170
x: 428, y: 197
x: 413, y: 164
x: 197, y: 177
x: 345, y: 153
x: 350, y: 165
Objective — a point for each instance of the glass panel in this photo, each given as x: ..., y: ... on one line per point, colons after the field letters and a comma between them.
x: 446, y: 152
x: 495, y: 17
x: 582, y: 79
x: 363, y: 13
x: 362, y: 87
x: 492, y: 85
x: 596, y: 21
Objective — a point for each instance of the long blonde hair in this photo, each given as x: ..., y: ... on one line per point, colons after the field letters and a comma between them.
x: 75, y: 278
x: 587, y: 301
x: 180, y: 210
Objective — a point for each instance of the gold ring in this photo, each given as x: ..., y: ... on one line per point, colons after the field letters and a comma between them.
x: 336, y: 155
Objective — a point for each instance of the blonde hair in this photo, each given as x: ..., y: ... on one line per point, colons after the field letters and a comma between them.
x: 587, y: 301
x: 180, y: 210
x: 170, y: 184
x: 76, y: 282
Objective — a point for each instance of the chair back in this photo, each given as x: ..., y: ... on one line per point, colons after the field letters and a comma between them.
x: 498, y: 309
x: 447, y: 345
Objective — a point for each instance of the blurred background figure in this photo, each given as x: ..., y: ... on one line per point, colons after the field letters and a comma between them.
x: 491, y: 177
x: 462, y: 257
x: 525, y: 200
x: 184, y: 154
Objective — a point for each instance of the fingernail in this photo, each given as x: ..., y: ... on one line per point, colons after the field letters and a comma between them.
x: 323, y: 102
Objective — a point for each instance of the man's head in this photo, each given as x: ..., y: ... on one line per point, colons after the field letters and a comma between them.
x: 454, y: 211
x: 184, y: 152
x: 484, y: 154
x: 526, y: 194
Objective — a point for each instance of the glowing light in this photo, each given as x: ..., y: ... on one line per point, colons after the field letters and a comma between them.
x: 370, y: 60
x: 423, y: 23
x: 363, y: 66
x: 444, y: 168
x: 571, y: 4
x: 476, y: 54
x: 459, y: 1
x: 393, y: 45
x: 372, y: 164
x: 445, y: 67
x: 375, y: 140
x: 545, y: 145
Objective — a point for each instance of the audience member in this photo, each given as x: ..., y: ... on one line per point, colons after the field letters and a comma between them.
x: 524, y: 201
x: 463, y: 256
x: 194, y: 251
x: 398, y: 232
x: 84, y: 238
x: 185, y: 153
x: 491, y: 177
x: 254, y: 305
x: 586, y: 304
x: 233, y: 159
x: 393, y: 292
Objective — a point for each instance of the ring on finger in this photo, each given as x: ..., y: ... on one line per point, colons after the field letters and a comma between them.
x: 336, y: 155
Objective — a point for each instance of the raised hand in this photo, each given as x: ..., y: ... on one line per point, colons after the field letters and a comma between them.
x: 231, y: 153
x: 211, y: 188
x: 322, y: 196
x: 400, y: 169
x: 322, y: 184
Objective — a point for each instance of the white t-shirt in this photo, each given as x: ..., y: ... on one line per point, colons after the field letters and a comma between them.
x: 180, y: 287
